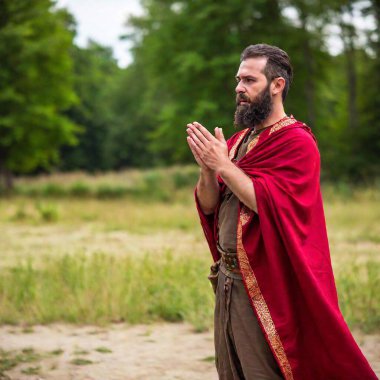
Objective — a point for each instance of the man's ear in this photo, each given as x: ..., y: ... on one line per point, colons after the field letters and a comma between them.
x: 278, y: 85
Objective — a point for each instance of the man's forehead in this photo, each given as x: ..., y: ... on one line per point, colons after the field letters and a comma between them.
x: 252, y: 66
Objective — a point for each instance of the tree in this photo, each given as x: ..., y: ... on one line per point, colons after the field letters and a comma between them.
x: 366, y: 143
x: 190, y: 53
x: 96, y: 76
x: 36, y: 85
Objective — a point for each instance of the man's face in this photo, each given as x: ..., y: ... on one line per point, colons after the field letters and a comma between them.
x: 253, y: 100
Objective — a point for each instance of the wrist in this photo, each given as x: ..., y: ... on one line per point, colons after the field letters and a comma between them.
x: 226, y: 167
x: 207, y: 172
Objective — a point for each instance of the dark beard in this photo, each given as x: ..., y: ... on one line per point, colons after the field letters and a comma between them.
x: 255, y: 112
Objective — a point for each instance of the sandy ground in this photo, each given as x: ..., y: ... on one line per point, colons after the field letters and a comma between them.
x: 120, y: 352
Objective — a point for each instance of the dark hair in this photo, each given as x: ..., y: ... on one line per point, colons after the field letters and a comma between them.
x: 278, y: 63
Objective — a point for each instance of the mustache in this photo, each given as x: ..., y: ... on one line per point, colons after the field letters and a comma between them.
x: 242, y: 97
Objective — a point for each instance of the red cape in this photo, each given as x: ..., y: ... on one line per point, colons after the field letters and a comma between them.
x: 284, y: 257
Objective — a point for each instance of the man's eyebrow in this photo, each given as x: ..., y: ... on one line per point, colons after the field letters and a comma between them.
x: 245, y: 77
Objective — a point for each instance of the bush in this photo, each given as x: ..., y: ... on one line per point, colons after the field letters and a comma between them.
x: 109, y: 192
x: 48, y: 212
x: 53, y: 190
x: 186, y: 178
x: 80, y: 189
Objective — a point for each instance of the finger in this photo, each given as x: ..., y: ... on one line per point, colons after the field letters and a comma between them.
x: 196, y: 148
x: 199, y: 134
x: 191, y: 145
x: 195, y: 138
x: 193, y: 148
x: 219, y: 134
x: 204, y: 131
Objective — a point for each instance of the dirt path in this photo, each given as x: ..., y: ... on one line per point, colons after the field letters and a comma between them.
x: 120, y: 352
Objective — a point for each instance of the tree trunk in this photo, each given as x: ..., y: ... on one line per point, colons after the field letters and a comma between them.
x: 6, y: 179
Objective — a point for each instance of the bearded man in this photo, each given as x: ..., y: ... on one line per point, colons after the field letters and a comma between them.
x: 260, y: 205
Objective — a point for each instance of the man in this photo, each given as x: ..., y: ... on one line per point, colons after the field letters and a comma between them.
x: 259, y: 201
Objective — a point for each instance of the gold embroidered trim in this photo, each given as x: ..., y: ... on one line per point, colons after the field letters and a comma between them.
x: 232, y: 152
x: 253, y: 143
x: 245, y: 214
x: 259, y: 303
x: 282, y: 123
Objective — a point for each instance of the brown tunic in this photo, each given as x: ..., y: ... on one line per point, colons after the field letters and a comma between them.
x: 228, y: 211
x: 241, y: 351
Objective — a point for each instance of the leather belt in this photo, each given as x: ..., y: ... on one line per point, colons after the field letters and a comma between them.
x: 230, y: 261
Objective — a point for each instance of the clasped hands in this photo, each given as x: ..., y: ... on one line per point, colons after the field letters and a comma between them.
x: 210, y: 152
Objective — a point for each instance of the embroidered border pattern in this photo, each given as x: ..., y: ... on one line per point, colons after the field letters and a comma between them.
x: 253, y: 143
x: 232, y: 152
x: 245, y: 214
x: 259, y: 303
x: 282, y: 123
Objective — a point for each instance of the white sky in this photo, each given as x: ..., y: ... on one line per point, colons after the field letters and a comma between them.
x: 104, y: 22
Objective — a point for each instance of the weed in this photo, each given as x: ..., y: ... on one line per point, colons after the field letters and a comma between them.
x: 48, y: 212
x: 32, y: 370
x: 81, y: 361
x: 103, y: 350
x: 209, y: 359
x: 57, y: 352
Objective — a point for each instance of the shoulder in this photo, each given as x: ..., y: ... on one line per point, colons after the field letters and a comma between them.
x: 302, y: 134
x: 298, y: 134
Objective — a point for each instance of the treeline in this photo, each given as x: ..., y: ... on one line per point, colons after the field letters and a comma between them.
x: 67, y: 108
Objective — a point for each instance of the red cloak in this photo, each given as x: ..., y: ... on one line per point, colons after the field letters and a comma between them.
x: 284, y: 257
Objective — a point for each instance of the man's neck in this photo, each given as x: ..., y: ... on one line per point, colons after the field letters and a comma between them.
x: 274, y: 117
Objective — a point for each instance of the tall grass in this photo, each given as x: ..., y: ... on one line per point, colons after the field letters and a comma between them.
x: 154, y: 184
x: 124, y: 215
x: 101, y: 288
x: 359, y: 295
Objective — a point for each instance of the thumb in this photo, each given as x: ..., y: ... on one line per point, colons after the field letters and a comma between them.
x: 219, y: 134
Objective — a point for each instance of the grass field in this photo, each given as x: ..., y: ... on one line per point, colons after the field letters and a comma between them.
x: 128, y: 247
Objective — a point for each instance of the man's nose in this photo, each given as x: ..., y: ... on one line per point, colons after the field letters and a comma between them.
x: 239, y: 88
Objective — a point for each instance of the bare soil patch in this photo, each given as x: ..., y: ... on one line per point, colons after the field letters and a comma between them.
x: 121, y: 352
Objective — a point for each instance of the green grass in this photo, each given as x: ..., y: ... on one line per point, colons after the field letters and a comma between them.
x: 102, y: 288
x: 359, y: 296
x: 128, y: 247
x: 154, y: 184
x: 103, y: 350
x: 99, y: 289
x: 81, y: 361
x: 11, y: 359
x: 35, y: 370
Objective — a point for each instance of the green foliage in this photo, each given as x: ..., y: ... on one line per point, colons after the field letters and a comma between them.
x: 108, y: 191
x: 79, y: 189
x: 95, y: 76
x: 48, y: 212
x: 52, y: 190
x: 185, y: 56
x: 36, y: 84
x: 192, y: 77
